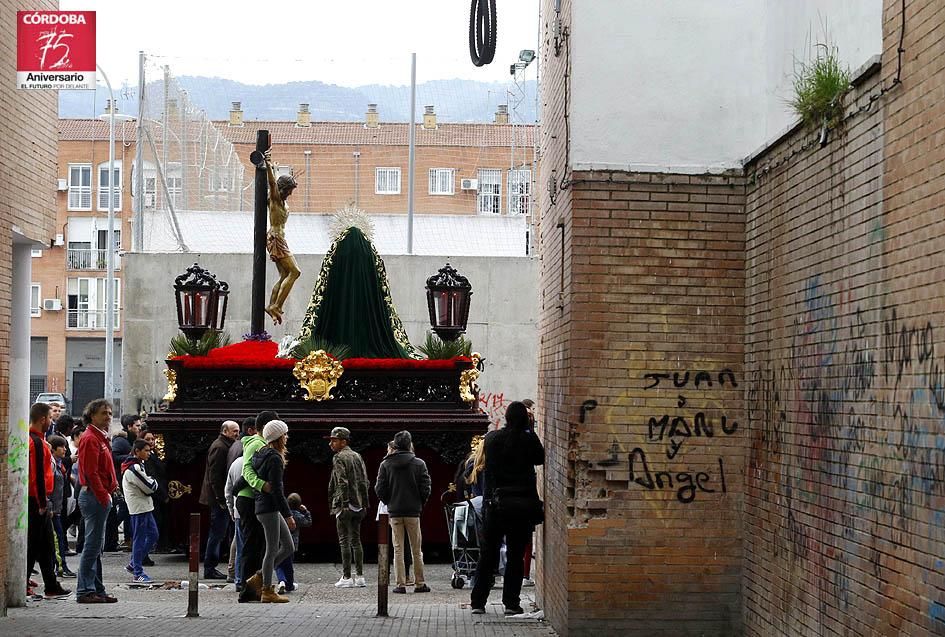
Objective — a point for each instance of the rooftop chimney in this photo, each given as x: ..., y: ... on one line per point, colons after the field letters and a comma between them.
x: 429, y: 118
x: 109, y: 107
x: 236, y: 114
x: 502, y: 114
x: 371, y: 118
x: 304, y: 117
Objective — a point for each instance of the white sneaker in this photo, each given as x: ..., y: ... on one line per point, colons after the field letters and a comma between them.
x: 359, y: 582
x: 345, y: 582
x: 528, y: 582
x: 281, y: 588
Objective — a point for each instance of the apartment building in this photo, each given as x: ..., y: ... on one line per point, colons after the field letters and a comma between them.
x: 461, y: 169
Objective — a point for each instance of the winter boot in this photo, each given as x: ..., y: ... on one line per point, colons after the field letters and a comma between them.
x: 270, y: 596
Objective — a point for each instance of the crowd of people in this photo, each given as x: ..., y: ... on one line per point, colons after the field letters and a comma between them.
x: 82, y: 477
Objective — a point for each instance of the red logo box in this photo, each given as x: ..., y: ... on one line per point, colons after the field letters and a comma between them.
x: 55, y: 49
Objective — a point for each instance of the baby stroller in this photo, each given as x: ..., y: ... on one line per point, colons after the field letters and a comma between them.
x: 464, y: 521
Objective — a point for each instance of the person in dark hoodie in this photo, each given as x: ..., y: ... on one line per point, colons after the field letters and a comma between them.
x: 511, y: 454
x: 272, y: 507
x: 403, y: 484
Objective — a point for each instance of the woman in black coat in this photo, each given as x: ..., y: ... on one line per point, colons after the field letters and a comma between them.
x: 510, y: 502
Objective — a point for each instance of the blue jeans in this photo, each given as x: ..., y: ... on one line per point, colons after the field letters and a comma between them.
x: 219, y: 522
x: 144, y: 532
x: 238, y: 564
x: 90, y: 564
x: 286, y: 573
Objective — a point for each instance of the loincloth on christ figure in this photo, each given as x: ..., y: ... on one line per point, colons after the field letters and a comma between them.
x: 276, y: 246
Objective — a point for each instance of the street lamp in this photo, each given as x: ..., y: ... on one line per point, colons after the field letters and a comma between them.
x: 110, y: 245
x: 448, y: 295
x: 201, y: 302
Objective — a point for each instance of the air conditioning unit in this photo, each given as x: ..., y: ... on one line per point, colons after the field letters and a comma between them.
x: 469, y: 184
x: 52, y: 305
x: 60, y: 240
x: 62, y: 184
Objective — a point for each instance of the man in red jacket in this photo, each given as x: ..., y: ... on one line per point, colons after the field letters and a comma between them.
x: 97, y: 483
x: 39, y: 538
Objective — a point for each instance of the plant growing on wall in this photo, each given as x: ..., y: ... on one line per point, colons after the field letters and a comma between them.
x: 819, y: 87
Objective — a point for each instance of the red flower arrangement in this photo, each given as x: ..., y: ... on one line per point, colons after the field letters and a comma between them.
x: 262, y: 355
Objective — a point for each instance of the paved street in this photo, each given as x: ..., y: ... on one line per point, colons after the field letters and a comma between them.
x: 316, y: 608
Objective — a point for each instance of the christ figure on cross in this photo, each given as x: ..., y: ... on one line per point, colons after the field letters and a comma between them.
x: 276, y: 246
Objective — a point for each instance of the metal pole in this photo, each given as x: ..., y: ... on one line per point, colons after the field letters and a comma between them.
x: 383, y: 565
x: 110, y: 252
x: 138, y: 229
x: 257, y: 316
x: 193, y: 583
x: 411, y: 157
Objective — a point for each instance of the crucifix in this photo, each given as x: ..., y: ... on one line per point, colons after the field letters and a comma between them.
x: 271, y: 194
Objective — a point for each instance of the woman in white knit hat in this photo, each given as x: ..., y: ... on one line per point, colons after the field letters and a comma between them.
x: 272, y: 508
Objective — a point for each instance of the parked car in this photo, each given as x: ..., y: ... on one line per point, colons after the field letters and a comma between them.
x: 53, y: 397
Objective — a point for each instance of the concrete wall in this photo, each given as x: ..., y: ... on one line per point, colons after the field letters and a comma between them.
x: 695, y: 85
x: 502, y: 320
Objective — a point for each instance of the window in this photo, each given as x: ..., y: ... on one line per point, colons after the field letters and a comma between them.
x: 150, y: 190
x: 86, y: 303
x: 36, y: 299
x: 490, y: 191
x: 220, y: 180
x: 441, y: 181
x: 80, y: 187
x: 519, y: 191
x: 387, y: 181
x: 106, y: 186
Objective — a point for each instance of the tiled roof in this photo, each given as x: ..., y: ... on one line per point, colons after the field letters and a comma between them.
x: 387, y: 134
x: 93, y: 129
x: 438, y: 235
x: 332, y: 133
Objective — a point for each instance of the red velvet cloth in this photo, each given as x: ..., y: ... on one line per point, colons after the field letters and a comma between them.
x: 262, y: 355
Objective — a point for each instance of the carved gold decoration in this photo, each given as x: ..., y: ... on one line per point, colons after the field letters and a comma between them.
x: 475, y: 442
x: 159, y: 445
x: 176, y: 490
x: 318, y: 373
x: 171, y: 377
x: 467, y: 380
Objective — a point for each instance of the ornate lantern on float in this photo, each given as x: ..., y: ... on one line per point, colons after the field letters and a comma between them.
x: 448, y: 295
x: 201, y: 302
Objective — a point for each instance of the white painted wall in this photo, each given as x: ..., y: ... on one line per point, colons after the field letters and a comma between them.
x: 696, y: 85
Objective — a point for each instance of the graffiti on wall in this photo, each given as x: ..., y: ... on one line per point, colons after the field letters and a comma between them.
x: 494, y: 405
x: 848, y: 438
x: 668, y: 432
x: 18, y: 459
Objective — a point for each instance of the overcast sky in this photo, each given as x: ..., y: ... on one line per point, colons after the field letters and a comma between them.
x: 350, y: 43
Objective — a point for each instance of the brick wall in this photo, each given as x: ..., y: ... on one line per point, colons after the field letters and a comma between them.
x: 642, y: 310
x: 555, y: 404
x: 334, y: 176
x: 27, y: 204
x: 845, y: 490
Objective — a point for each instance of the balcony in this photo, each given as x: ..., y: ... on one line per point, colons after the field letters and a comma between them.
x: 88, y: 319
x: 89, y: 259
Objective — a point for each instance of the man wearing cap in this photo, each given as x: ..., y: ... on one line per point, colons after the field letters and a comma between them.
x: 348, y: 498
x: 212, y: 495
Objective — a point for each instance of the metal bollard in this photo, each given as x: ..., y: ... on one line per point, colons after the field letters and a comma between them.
x: 383, y: 566
x: 192, y: 583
